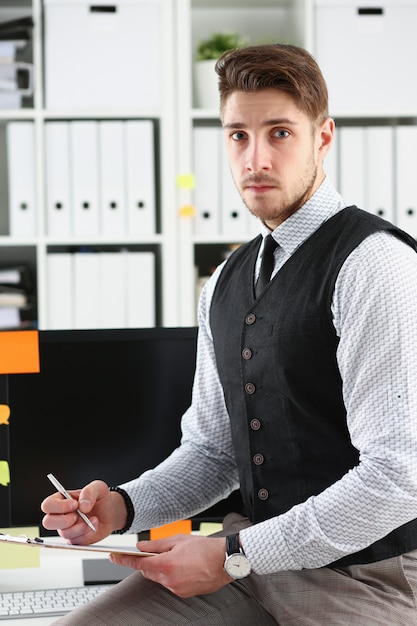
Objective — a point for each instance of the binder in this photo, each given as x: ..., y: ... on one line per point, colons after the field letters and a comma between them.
x: 140, y: 177
x: 112, y: 303
x: 380, y: 171
x: 253, y: 224
x: 86, y: 290
x: 84, y: 177
x: 21, y: 179
x: 111, y: 171
x: 405, y: 171
x: 352, y: 165
x: 59, y: 293
x: 140, y: 289
x: 58, y: 185
x: 233, y: 212
x: 206, y: 150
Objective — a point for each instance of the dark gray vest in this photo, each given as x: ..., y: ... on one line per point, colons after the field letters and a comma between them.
x: 276, y: 358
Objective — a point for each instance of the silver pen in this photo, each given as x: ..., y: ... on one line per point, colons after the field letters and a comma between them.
x: 65, y: 493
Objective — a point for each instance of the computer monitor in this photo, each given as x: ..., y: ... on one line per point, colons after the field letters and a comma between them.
x: 106, y: 405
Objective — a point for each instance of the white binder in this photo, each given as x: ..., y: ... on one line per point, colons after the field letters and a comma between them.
x: 58, y: 184
x: 353, y: 165
x: 380, y: 171
x: 84, y: 179
x: 406, y: 204
x: 253, y: 225
x: 206, y: 151
x: 140, y: 289
x: 86, y: 291
x: 21, y: 179
x: 140, y: 177
x: 111, y: 172
x: 112, y: 285
x: 233, y: 212
x: 59, y: 292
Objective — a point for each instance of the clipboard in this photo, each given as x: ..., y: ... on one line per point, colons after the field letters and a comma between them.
x: 37, y: 542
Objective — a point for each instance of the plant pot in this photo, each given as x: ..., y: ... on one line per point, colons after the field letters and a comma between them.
x: 206, y: 93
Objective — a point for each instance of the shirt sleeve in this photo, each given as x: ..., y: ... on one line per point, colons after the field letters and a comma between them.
x: 375, y: 316
x: 202, y: 470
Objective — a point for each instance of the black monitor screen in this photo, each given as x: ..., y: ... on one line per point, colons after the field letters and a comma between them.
x: 106, y: 404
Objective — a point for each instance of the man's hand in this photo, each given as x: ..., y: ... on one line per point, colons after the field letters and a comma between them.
x: 187, y: 565
x: 106, y: 510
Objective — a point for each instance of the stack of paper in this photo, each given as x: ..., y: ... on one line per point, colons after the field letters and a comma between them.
x: 16, y: 80
x: 17, y: 305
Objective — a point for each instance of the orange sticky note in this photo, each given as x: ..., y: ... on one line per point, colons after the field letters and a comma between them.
x: 4, y: 414
x: 19, y: 352
x: 182, y: 527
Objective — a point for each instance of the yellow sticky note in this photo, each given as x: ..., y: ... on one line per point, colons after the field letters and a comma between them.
x: 182, y: 527
x: 186, y: 210
x: 4, y: 473
x: 185, y: 181
x: 19, y: 352
x: 208, y: 528
x: 17, y: 557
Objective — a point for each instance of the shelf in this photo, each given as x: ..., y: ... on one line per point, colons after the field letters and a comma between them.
x: 177, y: 245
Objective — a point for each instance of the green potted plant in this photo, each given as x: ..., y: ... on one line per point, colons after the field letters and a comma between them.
x: 207, y: 52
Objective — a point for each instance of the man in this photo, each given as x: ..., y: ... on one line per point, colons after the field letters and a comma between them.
x: 305, y: 396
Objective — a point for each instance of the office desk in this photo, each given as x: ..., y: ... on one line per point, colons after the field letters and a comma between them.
x: 59, y: 568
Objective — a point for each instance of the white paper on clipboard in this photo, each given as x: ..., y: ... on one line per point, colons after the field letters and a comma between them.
x: 42, y: 543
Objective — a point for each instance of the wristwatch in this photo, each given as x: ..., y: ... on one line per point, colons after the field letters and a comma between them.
x: 236, y: 563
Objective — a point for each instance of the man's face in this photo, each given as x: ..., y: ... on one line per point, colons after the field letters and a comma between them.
x: 275, y: 152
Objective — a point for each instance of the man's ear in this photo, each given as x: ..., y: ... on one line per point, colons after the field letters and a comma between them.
x: 325, y: 136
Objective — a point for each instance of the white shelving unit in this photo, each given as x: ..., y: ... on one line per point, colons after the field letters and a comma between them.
x: 182, y: 253
x: 269, y: 20
x: 296, y: 22
x: 164, y: 242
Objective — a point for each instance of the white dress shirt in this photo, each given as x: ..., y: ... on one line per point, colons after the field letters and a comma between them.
x: 375, y: 316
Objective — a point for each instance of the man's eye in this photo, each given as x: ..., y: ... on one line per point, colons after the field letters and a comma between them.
x: 281, y: 133
x: 238, y: 136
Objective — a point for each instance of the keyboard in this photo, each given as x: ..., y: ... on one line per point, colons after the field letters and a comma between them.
x: 46, y: 602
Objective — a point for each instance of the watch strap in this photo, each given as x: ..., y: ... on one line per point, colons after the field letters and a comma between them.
x: 129, y: 508
x: 233, y: 545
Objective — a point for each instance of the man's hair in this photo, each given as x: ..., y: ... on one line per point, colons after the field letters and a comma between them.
x: 275, y: 66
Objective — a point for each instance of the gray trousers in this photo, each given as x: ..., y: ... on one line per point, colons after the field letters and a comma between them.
x: 378, y: 594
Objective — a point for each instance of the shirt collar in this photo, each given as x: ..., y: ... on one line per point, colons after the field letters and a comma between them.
x: 324, y: 203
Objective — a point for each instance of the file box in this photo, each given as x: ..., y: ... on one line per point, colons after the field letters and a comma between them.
x: 367, y: 49
x: 103, y: 55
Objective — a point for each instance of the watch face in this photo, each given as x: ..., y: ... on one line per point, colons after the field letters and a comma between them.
x: 237, y: 566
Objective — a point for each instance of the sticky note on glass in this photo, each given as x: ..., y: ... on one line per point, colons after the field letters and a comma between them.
x: 4, y: 473
x: 18, y: 557
x: 182, y: 527
x: 19, y: 352
x: 4, y: 414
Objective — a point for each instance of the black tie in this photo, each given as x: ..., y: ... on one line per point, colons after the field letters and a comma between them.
x: 267, y: 264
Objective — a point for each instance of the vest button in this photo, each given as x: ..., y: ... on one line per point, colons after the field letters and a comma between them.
x: 258, y: 459
x: 247, y: 353
x: 263, y: 494
x: 250, y: 388
x: 250, y: 318
x: 255, y: 424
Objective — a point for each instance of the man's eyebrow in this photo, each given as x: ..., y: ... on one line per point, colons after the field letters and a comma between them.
x: 279, y: 121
